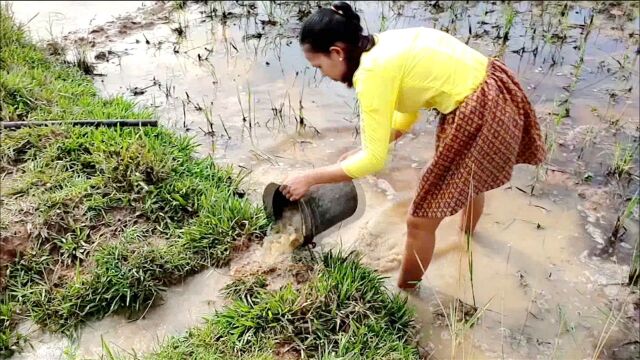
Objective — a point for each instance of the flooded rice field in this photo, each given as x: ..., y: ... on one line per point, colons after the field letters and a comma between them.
x: 552, y: 252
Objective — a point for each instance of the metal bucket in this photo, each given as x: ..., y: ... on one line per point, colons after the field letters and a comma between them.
x: 321, y: 208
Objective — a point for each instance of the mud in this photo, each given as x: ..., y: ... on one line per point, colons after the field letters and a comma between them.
x: 13, y: 241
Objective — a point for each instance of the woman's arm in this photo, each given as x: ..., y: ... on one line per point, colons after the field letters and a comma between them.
x: 296, y: 187
x: 395, y: 135
x: 377, y: 94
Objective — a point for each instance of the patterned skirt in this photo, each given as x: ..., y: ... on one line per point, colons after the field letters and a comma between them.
x: 478, y: 144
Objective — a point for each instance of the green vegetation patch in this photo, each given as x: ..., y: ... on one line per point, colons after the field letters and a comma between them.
x: 105, y: 219
x: 344, y: 312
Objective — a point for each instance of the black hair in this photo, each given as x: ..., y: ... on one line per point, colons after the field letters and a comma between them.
x: 338, y: 23
x: 327, y: 26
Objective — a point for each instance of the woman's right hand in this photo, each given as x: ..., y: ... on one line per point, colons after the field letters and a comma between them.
x: 347, y: 154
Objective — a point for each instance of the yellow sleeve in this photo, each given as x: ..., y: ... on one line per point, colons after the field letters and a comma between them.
x: 377, y: 93
x: 403, y: 121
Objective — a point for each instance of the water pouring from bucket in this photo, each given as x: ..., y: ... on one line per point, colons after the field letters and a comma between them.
x: 319, y: 210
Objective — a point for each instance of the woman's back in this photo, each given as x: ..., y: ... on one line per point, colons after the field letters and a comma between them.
x: 436, y: 69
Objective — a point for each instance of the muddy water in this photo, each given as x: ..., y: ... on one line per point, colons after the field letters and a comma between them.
x: 244, y: 90
x: 287, y: 233
x: 184, y: 305
x: 273, y: 256
x: 513, y: 261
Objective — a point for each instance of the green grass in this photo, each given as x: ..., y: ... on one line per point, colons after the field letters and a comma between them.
x: 122, y: 212
x: 10, y: 340
x: 344, y: 312
x: 509, y: 17
x: 622, y: 162
x: 106, y: 218
x: 245, y: 289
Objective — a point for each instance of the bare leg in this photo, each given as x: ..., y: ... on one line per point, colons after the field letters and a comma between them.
x: 421, y: 240
x: 471, y: 214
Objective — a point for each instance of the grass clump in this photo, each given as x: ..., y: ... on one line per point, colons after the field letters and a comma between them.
x: 342, y: 313
x: 97, y: 221
x: 117, y: 215
x: 245, y: 289
x: 622, y: 162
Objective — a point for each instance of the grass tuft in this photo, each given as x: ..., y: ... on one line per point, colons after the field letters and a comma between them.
x: 248, y: 290
x: 10, y: 341
x: 343, y: 313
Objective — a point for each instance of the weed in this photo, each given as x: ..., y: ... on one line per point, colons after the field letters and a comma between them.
x: 277, y: 111
x: 509, y: 18
x: 611, y: 322
x: 384, y: 21
x: 468, y: 238
x: 634, y: 270
x: 344, y: 312
x: 81, y: 61
x: 459, y: 318
x: 179, y: 4
x: 563, y: 326
x: 55, y: 48
x: 622, y: 161
x: 618, y: 232
x: 208, y: 115
x: 590, y: 136
x: 181, y: 28
x: 270, y: 10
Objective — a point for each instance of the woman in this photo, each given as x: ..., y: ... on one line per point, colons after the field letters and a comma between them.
x: 486, y: 126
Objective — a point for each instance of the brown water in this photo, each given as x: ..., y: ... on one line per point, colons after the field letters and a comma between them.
x: 546, y: 296
x: 273, y: 255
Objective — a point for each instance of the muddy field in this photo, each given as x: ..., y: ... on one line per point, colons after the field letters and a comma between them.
x: 551, y: 255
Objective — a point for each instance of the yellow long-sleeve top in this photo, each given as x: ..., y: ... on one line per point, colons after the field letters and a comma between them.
x: 408, y: 70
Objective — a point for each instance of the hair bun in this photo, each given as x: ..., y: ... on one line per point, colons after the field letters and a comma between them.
x: 346, y: 10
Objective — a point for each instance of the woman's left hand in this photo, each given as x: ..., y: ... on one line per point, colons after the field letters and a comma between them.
x: 295, y: 187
